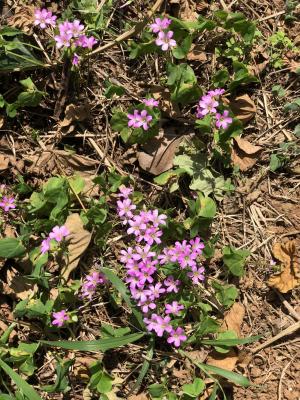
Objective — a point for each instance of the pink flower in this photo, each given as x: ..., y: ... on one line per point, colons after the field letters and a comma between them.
x: 125, y: 208
x: 7, y: 203
x: 160, y: 24
x: 75, y: 59
x: 223, y: 120
x: 145, y: 118
x: 152, y: 235
x: 58, y: 233
x: 96, y: 278
x: 151, y: 323
x: 208, y: 104
x: 143, y: 253
x: 165, y: 40
x: 163, y: 325
x: 157, y: 219
x: 164, y: 258
x: 124, y: 191
x: 176, y: 337
x: 136, y: 226
x: 196, y: 275
x: 150, y: 102
x: 81, y: 41
x: 197, y: 245
x: 147, y: 305
x: 43, y: 17
x: 89, y: 42
x: 187, y: 258
x: 171, y: 284
x: 60, y: 317
x: 64, y: 27
x: 45, y: 246
x: 127, y: 256
x: 155, y: 291
x: 75, y: 28
x: 63, y: 40
x: 174, y: 308
x: 134, y: 120
x: 216, y: 92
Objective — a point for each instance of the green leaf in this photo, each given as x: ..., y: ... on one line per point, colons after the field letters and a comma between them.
x: 113, y: 90
x: 293, y: 106
x: 235, y: 259
x: 297, y: 130
x: 204, y: 124
x: 61, y: 382
x: 10, y: 31
x: 278, y: 90
x: 181, y: 51
x: 11, y: 248
x: 157, y: 390
x: 164, y: 178
x: 231, y: 376
x: 224, y: 336
x: 230, y: 342
x: 208, y: 207
x: 220, y: 78
x: 105, y: 383
x: 22, y: 385
x: 226, y: 294
x: 277, y: 161
x: 77, y: 183
x: 241, y: 76
x: 194, y: 389
x: 146, y: 365
x: 95, y: 345
x: 122, y: 289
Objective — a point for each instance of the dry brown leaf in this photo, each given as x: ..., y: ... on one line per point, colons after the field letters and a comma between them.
x: 156, y: 155
x: 167, y: 106
x: 75, y: 113
x: 17, y: 286
x: 81, y: 368
x: 4, y: 161
x: 244, y: 154
x: 141, y: 396
x: 289, y: 278
x: 78, y: 241
x: 23, y: 18
x: 197, y: 54
x: 1, y: 121
x: 233, y: 320
x: 243, y: 108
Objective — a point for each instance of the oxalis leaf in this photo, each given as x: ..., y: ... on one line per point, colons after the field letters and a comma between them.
x: 11, y: 247
x: 95, y: 345
x: 22, y: 385
x: 235, y: 259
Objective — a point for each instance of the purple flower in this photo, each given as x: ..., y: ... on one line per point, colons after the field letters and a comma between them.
x: 176, y: 337
x: 150, y: 102
x: 147, y: 305
x: 171, y: 284
x: 145, y: 118
x: 174, y: 308
x: 160, y: 24
x: 75, y: 59
x: 58, y: 233
x: 127, y: 256
x: 89, y: 42
x: 134, y: 120
x: 90, y: 284
x: 164, y: 258
x: 157, y: 219
x: 165, y: 40
x: 152, y: 235
x: 124, y: 191
x: 151, y: 323
x: 197, y: 245
x: 154, y: 291
x: 196, y: 275
x: 125, y: 208
x: 80, y: 41
x: 216, y: 92
x: 63, y: 40
x: 7, y: 203
x: 45, y: 246
x: 163, y: 325
x: 59, y: 318
x: 138, y: 293
x: 43, y: 17
x: 223, y: 120
x: 208, y: 104
x: 64, y: 27
x: 75, y: 28
x: 143, y: 253
x: 136, y: 226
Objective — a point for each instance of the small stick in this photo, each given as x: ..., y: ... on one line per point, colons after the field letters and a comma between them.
x: 288, y: 306
x: 288, y: 331
x: 281, y: 378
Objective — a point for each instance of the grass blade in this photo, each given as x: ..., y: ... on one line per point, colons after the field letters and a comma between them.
x: 22, y: 385
x: 95, y: 345
x: 145, y: 366
x: 230, y: 342
x: 122, y: 289
x: 231, y: 376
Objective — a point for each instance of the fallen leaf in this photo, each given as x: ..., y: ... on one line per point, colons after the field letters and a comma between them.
x: 233, y: 320
x: 197, y: 53
x: 243, y: 108
x: 75, y: 113
x: 78, y: 241
x: 244, y: 154
x: 1, y: 121
x: 81, y: 368
x: 289, y: 277
x: 4, y: 161
x: 17, y: 286
x: 23, y: 18
x: 156, y: 155
x: 141, y: 396
x: 166, y: 104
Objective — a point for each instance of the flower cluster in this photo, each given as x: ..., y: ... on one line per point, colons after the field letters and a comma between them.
x: 164, y: 36
x: 58, y: 234
x: 90, y: 284
x: 149, y: 286
x: 141, y: 119
x: 208, y: 105
x: 70, y: 34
